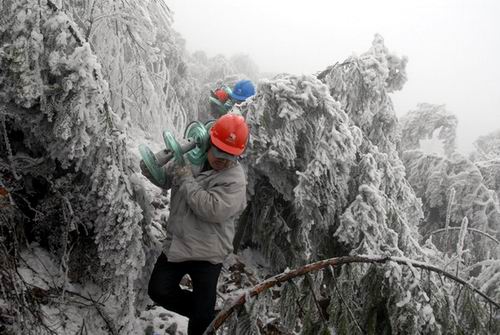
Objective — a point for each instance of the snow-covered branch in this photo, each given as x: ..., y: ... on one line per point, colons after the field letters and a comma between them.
x: 334, y: 262
x: 473, y: 230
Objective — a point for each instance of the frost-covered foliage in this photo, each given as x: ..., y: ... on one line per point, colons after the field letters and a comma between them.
x: 385, y: 206
x: 490, y: 170
x: 361, y: 84
x: 488, y: 279
x: 488, y: 146
x: 461, y: 208
x: 75, y: 83
x: 424, y: 122
x: 454, y: 190
x: 487, y: 159
x: 435, y: 177
x: 142, y: 59
x: 67, y: 166
x: 326, y: 180
x: 301, y: 152
x: 378, y: 183
x: 459, y: 193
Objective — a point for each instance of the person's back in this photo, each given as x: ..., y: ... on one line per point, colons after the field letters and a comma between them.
x: 201, y: 223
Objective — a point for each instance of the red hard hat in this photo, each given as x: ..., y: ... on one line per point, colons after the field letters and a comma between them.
x: 230, y: 134
x: 221, y: 95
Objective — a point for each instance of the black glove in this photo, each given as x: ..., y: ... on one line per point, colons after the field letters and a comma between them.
x: 145, y: 171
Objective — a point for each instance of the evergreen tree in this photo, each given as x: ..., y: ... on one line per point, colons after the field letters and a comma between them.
x: 487, y: 159
x: 142, y: 59
x: 67, y: 167
x: 326, y: 180
x: 461, y: 208
x: 79, y: 83
x: 424, y: 122
x: 488, y: 146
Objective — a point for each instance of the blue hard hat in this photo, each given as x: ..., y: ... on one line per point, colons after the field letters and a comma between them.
x: 242, y: 90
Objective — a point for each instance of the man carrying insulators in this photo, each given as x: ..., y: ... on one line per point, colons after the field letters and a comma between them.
x: 221, y: 95
x: 200, y: 229
x: 223, y: 99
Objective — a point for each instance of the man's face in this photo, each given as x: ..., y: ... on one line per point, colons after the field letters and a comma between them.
x: 217, y: 164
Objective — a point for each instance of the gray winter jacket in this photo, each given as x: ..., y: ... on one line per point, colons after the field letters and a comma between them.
x: 203, y: 210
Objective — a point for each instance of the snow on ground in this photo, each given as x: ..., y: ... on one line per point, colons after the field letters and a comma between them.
x: 159, y: 321
x: 41, y: 272
x: 44, y: 278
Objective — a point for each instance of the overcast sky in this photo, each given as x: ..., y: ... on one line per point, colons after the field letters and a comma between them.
x: 453, y: 46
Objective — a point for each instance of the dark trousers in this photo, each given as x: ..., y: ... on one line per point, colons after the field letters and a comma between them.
x: 198, y: 305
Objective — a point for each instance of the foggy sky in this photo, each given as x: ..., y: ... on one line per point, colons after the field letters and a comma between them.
x: 453, y: 46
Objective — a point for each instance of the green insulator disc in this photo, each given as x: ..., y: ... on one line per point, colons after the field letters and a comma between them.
x: 172, y: 144
x: 228, y: 105
x: 218, y: 108
x: 209, y: 125
x: 197, y: 132
x: 149, y: 159
x: 215, y: 101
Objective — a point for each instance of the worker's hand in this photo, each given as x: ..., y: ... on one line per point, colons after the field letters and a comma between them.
x: 146, y: 173
x: 182, y: 171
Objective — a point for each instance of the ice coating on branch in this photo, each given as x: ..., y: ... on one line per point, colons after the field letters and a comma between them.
x: 362, y: 83
x: 302, y: 144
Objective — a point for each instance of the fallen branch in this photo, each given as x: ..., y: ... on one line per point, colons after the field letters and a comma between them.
x: 337, y: 261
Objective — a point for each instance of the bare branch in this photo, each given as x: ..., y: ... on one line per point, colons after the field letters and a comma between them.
x: 472, y: 230
x: 107, y: 319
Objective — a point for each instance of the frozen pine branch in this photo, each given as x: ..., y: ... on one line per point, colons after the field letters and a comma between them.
x: 426, y: 122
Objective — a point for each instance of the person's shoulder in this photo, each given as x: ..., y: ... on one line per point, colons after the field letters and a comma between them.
x: 235, y: 173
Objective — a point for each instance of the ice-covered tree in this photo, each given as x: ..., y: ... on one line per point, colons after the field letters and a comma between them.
x: 487, y: 159
x: 490, y: 170
x: 65, y: 161
x: 142, y: 59
x: 424, y: 122
x: 301, y: 152
x: 451, y: 189
x: 78, y: 79
x: 459, y: 202
x: 361, y: 84
x: 488, y: 146
x: 326, y: 180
